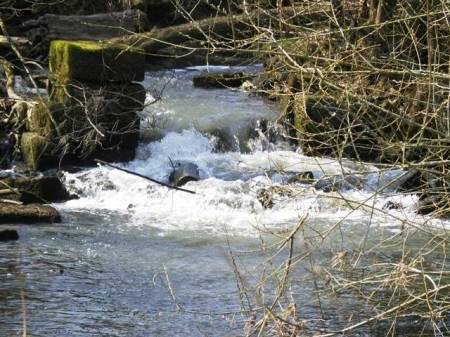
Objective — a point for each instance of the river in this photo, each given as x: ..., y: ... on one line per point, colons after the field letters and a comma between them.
x: 132, y: 258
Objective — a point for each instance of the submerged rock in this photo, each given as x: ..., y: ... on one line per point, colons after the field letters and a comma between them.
x: 33, y: 213
x: 220, y: 80
x: 222, y: 141
x: 9, y: 235
x: 184, y: 172
x: 306, y: 177
x: 340, y: 183
x: 268, y: 196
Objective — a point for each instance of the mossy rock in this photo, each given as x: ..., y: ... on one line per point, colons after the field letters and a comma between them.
x: 35, y: 150
x: 38, y: 117
x: 97, y: 62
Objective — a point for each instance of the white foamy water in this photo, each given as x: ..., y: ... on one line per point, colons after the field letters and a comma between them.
x: 226, y: 198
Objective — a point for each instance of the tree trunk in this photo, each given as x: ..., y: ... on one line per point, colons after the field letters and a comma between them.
x: 221, y: 28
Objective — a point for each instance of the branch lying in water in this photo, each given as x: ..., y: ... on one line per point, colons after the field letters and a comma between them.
x: 145, y: 177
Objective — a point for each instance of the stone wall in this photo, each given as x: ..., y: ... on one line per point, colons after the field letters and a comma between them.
x: 92, y: 105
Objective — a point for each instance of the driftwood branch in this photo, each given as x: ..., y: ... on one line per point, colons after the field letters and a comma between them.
x: 145, y: 177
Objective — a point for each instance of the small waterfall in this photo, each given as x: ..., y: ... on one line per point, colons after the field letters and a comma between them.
x: 240, y: 151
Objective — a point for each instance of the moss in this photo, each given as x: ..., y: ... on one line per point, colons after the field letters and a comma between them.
x: 38, y: 119
x: 34, y: 148
x: 301, y: 118
x: 95, y: 62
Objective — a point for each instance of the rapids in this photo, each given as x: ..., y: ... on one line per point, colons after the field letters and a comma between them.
x: 132, y: 258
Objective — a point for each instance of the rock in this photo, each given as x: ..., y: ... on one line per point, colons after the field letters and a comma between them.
x: 222, y: 141
x: 265, y: 197
x: 306, y: 177
x: 340, y: 183
x: 43, y: 189
x: 392, y: 205
x: 113, y: 108
x: 184, y: 172
x: 117, y: 98
x: 38, y: 117
x: 7, y: 142
x: 38, y: 151
x: 9, y: 235
x: 92, y: 108
x: 35, y: 151
x: 220, y: 80
x: 99, y: 62
x: 33, y: 213
x: 122, y: 97
x: 268, y: 196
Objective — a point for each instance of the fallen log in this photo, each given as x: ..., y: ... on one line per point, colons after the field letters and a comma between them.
x: 86, y: 27
x: 226, y: 27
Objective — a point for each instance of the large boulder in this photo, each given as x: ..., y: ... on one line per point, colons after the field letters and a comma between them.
x: 111, y: 108
x: 98, y: 62
x: 91, y: 111
x: 42, y: 189
x: 33, y: 213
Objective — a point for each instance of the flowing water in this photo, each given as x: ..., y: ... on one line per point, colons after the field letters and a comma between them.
x: 132, y: 258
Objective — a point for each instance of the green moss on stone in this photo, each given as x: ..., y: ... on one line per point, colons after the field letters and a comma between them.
x: 95, y: 62
x: 33, y: 147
